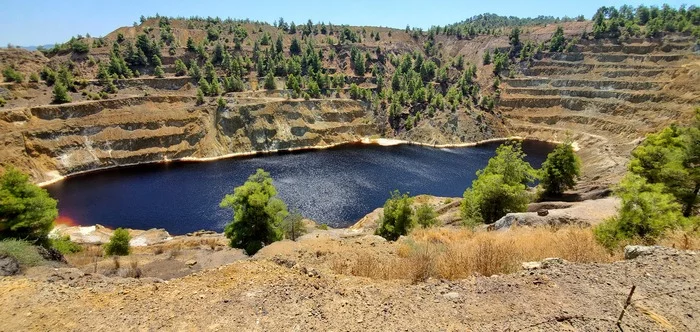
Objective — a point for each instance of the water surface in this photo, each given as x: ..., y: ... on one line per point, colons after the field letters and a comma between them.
x: 335, y: 186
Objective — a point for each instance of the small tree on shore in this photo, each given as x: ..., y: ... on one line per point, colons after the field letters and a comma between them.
x: 293, y: 226
x: 500, y: 188
x: 27, y: 211
x: 561, y: 169
x: 118, y: 244
x: 397, y: 218
x: 257, y: 213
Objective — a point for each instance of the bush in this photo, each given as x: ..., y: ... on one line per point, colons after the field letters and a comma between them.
x: 2, y: 101
x: 11, y: 75
x: 60, y: 94
x: 645, y: 215
x: 500, y: 188
x: 158, y: 72
x: 23, y: 251
x: 397, y: 218
x: 257, y: 213
x: 560, y: 170
x: 200, y: 96
x: 65, y: 246
x: 26, y: 211
x: 670, y: 157
x: 119, y: 243
x: 180, y: 68
x: 270, y: 82
x: 34, y: 78
x: 425, y: 216
x: 293, y: 226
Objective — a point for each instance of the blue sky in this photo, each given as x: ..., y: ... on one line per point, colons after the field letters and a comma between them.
x: 33, y: 22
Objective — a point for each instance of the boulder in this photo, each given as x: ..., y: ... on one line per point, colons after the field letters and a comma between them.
x: 542, y: 212
x: 632, y: 252
x: 9, y: 266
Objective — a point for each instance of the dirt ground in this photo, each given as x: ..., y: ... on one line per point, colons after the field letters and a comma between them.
x: 261, y: 295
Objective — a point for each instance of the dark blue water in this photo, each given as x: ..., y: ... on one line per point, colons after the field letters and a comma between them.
x: 335, y: 186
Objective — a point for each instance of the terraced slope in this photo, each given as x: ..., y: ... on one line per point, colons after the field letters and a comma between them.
x: 55, y: 140
x: 606, y: 96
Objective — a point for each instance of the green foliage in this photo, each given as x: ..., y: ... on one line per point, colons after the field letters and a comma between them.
x: 34, y: 78
x: 11, y: 75
x: 26, y: 211
x: 257, y: 213
x: 23, y: 251
x: 270, y: 81
x: 397, y: 218
x: 500, y: 188
x: 200, y: 96
x: 60, y: 94
x: 558, y: 42
x: 295, y: 47
x: 65, y: 246
x: 425, y: 216
x: 560, y: 170
x: 180, y: 68
x: 646, y: 213
x: 487, y: 57
x: 158, y: 72
x: 293, y: 226
x: 118, y: 244
x: 672, y: 158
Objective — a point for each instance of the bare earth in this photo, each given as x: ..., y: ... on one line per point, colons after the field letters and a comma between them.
x: 262, y: 295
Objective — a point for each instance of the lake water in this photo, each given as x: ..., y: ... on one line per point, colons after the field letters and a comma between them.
x: 335, y: 186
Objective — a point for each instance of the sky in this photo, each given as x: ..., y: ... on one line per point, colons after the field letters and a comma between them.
x: 34, y: 22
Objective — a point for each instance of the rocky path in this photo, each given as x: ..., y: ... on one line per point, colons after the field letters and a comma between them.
x: 261, y: 295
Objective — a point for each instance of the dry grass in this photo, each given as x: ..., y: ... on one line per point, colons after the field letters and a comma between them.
x: 458, y: 253
x: 682, y: 239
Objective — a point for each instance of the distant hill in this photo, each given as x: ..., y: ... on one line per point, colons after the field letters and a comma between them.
x: 36, y: 47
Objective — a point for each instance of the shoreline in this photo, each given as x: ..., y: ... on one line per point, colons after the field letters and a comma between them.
x: 365, y: 140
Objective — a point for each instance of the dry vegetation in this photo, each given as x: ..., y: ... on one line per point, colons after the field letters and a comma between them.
x: 460, y: 253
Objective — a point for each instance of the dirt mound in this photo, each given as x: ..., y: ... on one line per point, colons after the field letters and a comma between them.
x: 267, y: 295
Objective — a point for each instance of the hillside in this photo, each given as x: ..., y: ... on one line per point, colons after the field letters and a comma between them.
x: 201, y: 89
x: 431, y: 87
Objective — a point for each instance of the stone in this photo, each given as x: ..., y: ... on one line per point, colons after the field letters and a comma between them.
x: 542, y: 212
x: 452, y: 295
x: 532, y: 265
x: 9, y: 266
x: 548, y: 262
x: 191, y: 262
x: 632, y: 252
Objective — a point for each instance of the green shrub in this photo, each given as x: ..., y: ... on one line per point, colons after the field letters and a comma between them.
x: 26, y: 211
x: 34, y: 78
x: 158, y: 72
x: 560, y: 170
x: 11, y: 75
x: 2, y: 102
x: 425, y: 216
x: 23, y: 251
x: 293, y: 226
x: 119, y: 243
x: 257, y: 213
x: 397, y: 218
x: 60, y: 94
x: 500, y: 188
x: 65, y: 246
x: 647, y: 212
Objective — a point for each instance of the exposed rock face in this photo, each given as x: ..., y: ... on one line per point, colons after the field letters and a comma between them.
x: 99, y: 234
x: 632, y: 252
x: 583, y: 213
x: 50, y: 141
x: 606, y: 96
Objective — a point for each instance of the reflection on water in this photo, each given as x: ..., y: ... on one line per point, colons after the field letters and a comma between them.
x: 334, y: 186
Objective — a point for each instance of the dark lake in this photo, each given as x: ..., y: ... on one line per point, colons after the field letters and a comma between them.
x: 335, y: 186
